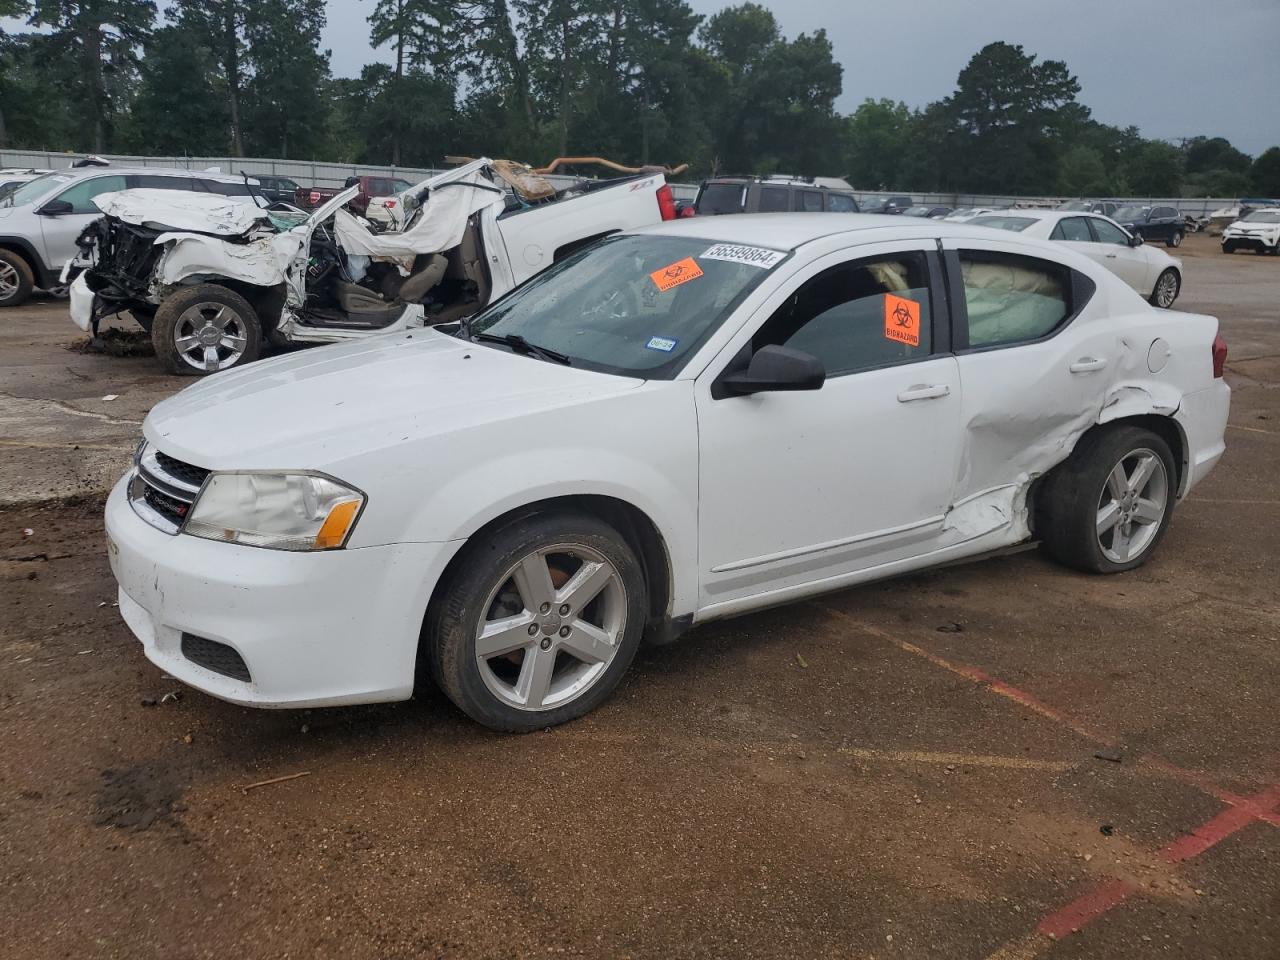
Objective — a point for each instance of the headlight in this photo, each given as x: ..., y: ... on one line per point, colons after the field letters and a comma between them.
x: 282, y: 511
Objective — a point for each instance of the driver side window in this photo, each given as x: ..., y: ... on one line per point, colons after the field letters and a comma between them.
x: 858, y: 315
x: 81, y: 195
x: 1107, y: 232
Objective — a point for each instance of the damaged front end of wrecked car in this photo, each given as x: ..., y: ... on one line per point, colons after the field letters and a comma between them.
x: 210, y: 280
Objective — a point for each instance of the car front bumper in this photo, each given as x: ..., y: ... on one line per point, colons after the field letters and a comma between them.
x: 1252, y: 243
x: 313, y: 629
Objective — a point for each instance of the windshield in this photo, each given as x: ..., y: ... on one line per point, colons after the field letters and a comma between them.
x: 1016, y: 224
x: 1132, y: 213
x: 34, y: 189
x: 872, y: 204
x: 718, y: 198
x: 632, y: 305
x: 1263, y: 216
x: 916, y: 211
x: 1076, y: 205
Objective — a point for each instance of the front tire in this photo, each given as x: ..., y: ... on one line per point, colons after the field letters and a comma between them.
x: 1228, y: 247
x: 204, y: 329
x: 1165, y: 292
x: 1110, y: 504
x: 16, y: 279
x: 538, y: 623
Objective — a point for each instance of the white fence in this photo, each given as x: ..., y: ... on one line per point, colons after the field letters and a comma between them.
x: 333, y: 174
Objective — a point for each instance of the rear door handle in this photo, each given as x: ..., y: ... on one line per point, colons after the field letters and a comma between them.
x: 1111, y: 256
x: 923, y: 391
x: 1087, y: 365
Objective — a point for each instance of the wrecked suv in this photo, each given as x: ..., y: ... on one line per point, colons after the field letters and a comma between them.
x: 211, y: 280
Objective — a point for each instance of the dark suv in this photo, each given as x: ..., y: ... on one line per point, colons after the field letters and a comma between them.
x: 1153, y: 223
x: 276, y: 189
x: 771, y: 195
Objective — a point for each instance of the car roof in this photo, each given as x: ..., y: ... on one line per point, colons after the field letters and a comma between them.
x: 96, y: 170
x: 789, y: 231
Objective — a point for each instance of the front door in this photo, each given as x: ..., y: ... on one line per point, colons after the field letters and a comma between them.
x: 1112, y: 249
x: 59, y: 231
x: 798, y: 488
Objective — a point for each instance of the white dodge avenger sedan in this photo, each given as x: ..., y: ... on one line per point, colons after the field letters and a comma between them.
x: 672, y: 426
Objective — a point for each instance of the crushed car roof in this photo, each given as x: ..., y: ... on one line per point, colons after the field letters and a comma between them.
x: 180, y: 210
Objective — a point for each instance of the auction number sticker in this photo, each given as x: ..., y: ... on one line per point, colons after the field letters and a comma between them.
x: 665, y: 344
x: 751, y: 256
x: 901, y: 320
x: 682, y: 271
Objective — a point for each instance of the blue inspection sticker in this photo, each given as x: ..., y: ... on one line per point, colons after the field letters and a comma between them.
x: 665, y: 344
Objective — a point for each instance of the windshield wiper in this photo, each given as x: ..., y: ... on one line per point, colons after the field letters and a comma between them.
x: 520, y: 345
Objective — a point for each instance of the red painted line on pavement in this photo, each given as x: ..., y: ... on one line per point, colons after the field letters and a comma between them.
x: 1106, y: 896
x: 1083, y: 909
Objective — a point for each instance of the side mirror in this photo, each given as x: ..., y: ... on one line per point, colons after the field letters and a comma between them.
x: 776, y: 368
x: 56, y: 208
x: 1136, y: 240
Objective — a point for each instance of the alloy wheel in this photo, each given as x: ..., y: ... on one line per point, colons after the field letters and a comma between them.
x: 1167, y: 289
x: 551, y: 627
x: 210, y: 336
x: 1132, y: 505
x: 8, y: 280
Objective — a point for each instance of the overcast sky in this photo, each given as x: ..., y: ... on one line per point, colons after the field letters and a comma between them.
x: 1174, y: 68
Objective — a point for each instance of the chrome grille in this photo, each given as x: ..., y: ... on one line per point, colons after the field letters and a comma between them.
x: 163, y: 489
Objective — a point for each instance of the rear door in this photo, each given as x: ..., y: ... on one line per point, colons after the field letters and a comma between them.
x: 1032, y: 370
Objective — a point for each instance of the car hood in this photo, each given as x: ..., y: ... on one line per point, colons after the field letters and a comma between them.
x: 331, y: 404
x: 1256, y: 225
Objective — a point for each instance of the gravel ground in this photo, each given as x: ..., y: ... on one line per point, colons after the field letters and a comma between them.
x: 964, y: 764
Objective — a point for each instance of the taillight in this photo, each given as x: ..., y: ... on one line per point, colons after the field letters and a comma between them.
x: 1219, y: 356
x: 389, y: 204
x: 314, y: 196
x: 666, y: 202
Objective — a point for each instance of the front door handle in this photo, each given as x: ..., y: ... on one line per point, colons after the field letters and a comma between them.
x: 1111, y: 256
x: 1087, y: 365
x: 923, y: 391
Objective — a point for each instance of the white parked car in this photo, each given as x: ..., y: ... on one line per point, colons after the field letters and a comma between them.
x: 211, y: 281
x: 965, y: 214
x: 679, y: 424
x: 1150, y: 271
x: 1259, y: 231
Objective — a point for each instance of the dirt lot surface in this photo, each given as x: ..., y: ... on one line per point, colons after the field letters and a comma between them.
x: 971, y: 763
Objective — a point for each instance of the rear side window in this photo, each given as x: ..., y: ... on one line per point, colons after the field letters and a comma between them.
x: 773, y: 199
x: 1013, y: 299
x: 809, y: 201
x: 236, y: 188
x: 1072, y: 228
x: 1164, y: 213
x: 720, y: 198
x: 155, y: 182
x: 841, y: 203
x: 868, y: 313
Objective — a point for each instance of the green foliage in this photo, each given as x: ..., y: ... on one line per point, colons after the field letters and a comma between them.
x: 1266, y: 173
x: 640, y: 81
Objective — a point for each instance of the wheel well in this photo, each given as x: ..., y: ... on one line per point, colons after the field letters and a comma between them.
x: 634, y: 524
x: 1166, y: 428
x: 37, y: 268
x: 267, y: 302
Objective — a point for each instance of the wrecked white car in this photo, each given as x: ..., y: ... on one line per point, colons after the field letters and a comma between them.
x: 679, y: 424
x: 211, y: 280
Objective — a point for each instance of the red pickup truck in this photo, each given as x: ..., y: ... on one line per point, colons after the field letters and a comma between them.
x: 308, y: 198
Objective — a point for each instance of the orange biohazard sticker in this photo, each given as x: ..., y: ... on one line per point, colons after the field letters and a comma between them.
x: 901, y: 320
x: 682, y: 271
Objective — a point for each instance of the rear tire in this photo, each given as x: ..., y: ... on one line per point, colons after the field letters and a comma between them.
x: 205, y: 329
x: 1165, y: 292
x: 1175, y: 239
x: 1109, y: 505
x: 16, y: 279
x: 538, y: 622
